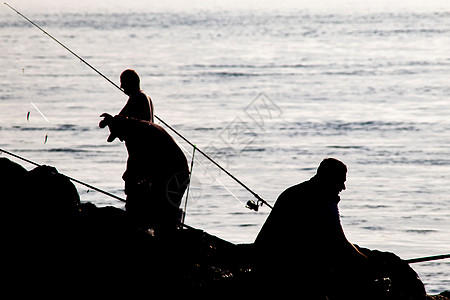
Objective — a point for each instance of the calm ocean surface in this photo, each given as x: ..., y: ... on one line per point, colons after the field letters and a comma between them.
x: 267, y: 89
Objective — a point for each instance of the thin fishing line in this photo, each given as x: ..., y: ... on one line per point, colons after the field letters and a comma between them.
x: 189, y: 185
x: 40, y: 112
x: 211, y: 174
x: 220, y: 182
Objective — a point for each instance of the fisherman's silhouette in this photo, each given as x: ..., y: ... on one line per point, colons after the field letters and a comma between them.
x: 139, y: 105
x: 157, y: 172
x: 308, y: 248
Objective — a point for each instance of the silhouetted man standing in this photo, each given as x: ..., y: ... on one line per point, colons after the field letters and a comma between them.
x: 157, y: 172
x: 139, y: 105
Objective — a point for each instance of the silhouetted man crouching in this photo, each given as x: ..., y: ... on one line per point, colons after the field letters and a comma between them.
x: 309, y: 252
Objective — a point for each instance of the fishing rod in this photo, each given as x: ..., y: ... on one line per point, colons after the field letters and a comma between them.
x: 64, y: 46
x: 68, y: 177
x: 250, y: 204
x: 426, y: 258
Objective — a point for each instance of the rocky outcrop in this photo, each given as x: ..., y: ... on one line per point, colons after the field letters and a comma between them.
x: 58, y: 248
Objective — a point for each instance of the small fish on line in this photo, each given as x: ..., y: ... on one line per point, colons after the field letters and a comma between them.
x: 46, y: 138
x: 28, y: 116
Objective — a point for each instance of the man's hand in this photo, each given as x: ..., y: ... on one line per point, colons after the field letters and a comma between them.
x: 106, y: 120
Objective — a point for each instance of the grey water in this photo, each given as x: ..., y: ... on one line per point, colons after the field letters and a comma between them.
x: 267, y: 88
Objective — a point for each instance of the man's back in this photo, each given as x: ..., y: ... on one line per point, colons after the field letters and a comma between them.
x: 303, y: 220
x: 153, y: 153
x: 157, y: 173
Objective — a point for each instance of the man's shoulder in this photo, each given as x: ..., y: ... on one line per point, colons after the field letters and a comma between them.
x: 293, y: 194
x: 297, y: 189
x: 139, y: 96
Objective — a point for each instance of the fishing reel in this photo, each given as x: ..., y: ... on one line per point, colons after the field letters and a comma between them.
x: 251, y: 204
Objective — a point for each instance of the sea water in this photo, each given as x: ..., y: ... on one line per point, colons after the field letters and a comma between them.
x: 266, y: 88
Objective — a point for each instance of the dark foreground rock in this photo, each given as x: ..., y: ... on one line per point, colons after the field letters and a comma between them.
x: 55, y: 247
x: 442, y: 296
